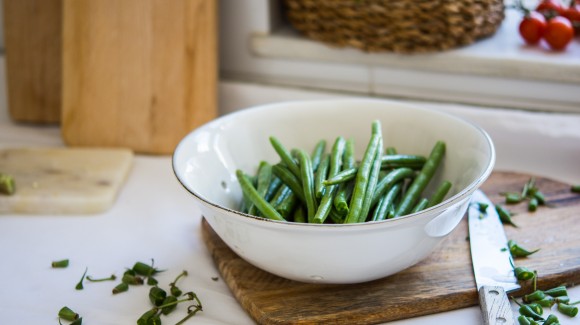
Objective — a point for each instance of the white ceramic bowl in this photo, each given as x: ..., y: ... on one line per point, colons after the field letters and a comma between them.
x: 205, y: 162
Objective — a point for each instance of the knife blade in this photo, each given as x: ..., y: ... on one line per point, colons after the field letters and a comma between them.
x: 492, y: 265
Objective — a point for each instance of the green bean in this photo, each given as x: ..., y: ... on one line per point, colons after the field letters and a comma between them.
x: 518, y: 251
x: 421, y: 181
x: 267, y: 210
x: 285, y: 156
x: 562, y: 300
x: 523, y: 320
x: 299, y: 215
x: 529, y: 312
x: 513, y: 198
x: 533, y: 204
x: 246, y: 203
x: 504, y: 215
x: 439, y: 194
x: 557, y: 291
x: 421, y: 205
x: 280, y: 195
x: 320, y: 175
x: 289, y: 179
x: 317, y: 154
x: 7, y: 184
x: 335, y: 163
x: 286, y: 207
x: 263, y: 182
x: 534, y: 296
x: 547, y: 302
x: 539, y: 196
x: 342, y: 177
x: 275, y: 184
x: 386, y: 202
x: 393, y: 161
x: 373, y: 176
x: 335, y: 216
x: 341, y: 198
x: 391, y: 178
x: 307, y: 178
x: 522, y: 273
x: 568, y: 310
x: 361, y: 182
x: 345, y: 190
x: 551, y: 320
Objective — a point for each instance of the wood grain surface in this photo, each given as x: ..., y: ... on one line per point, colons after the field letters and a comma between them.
x: 138, y: 73
x: 32, y: 32
x: 444, y: 281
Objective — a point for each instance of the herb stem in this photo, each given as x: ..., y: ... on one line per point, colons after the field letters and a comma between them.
x: 79, y: 285
x: 111, y: 278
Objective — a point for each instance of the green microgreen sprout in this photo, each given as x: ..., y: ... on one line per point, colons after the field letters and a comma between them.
x: 168, y: 306
x: 60, y: 264
x: 175, y: 291
x: 518, y: 251
x: 110, y: 278
x: 7, y: 184
x: 79, y: 285
x: 191, y: 311
x: 149, y: 317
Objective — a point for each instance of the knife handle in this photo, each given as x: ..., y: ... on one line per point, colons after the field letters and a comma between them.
x: 495, y: 306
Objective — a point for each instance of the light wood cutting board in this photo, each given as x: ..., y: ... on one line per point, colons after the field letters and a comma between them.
x: 139, y: 74
x: 444, y: 281
x: 63, y: 180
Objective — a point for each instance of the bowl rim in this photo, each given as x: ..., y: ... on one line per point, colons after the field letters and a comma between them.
x: 405, y: 218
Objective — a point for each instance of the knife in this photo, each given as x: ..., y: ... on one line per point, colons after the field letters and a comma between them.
x: 492, y: 264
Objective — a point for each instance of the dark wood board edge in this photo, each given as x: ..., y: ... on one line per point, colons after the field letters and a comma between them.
x: 559, y: 197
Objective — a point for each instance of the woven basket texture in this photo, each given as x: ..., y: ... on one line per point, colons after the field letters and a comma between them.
x: 401, y: 26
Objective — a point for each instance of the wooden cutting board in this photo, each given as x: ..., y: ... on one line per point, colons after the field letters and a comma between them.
x: 138, y: 74
x: 444, y: 281
x: 32, y: 32
x: 63, y: 180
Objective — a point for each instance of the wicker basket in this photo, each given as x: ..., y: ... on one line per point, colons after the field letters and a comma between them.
x: 401, y: 26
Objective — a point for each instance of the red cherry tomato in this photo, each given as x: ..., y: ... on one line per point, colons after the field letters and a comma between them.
x: 558, y: 33
x: 532, y: 27
x: 550, y: 8
x: 573, y: 14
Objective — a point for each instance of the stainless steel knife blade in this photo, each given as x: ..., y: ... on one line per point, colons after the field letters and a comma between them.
x: 492, y: 267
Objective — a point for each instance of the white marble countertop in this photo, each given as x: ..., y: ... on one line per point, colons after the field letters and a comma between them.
x: 154, y: 217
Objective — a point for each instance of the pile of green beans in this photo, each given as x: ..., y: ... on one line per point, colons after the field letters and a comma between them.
x: 332, y: 187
